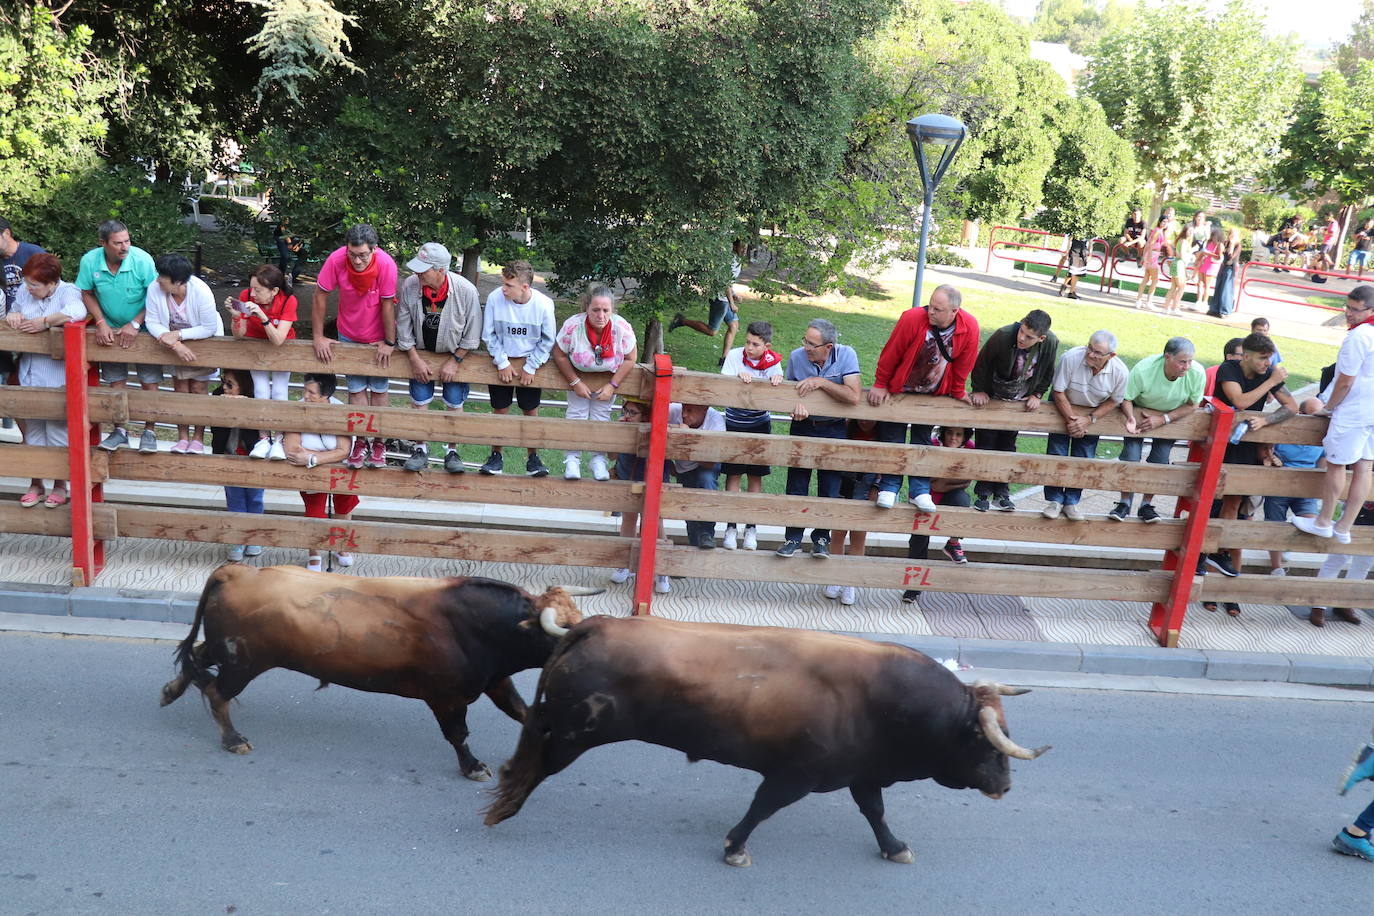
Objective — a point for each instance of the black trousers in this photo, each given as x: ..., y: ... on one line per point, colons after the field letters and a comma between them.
x: 919, y: 544
x: 994, y: 440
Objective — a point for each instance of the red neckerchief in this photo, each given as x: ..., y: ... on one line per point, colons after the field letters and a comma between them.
x: 603, y: 344
x: 363, y: 280
x: 1369, y: 320
x: 435, y: 297
x: 766, y: 361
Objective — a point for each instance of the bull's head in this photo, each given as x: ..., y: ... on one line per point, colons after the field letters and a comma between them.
x: 991, y: 772
x: 557, y: 612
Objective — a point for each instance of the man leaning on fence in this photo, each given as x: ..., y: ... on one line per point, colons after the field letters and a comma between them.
x: 820, y: 366
x: 1016, y: 364
x: 437, y: 310
x: 1089, y: 383
x: 114, y: 279
x: 931, y: 351
x: 1159, y: 391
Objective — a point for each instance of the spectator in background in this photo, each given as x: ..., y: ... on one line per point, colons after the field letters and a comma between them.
x: 290, y: 251
x: 1159, y: 390
x: 1223, y: 301
x: 1183, y: 258
x: 594, y: 340
x: 43, y: 301
x: 437, y: 311
x: 1077, y: 258
x: 1349, y: 441
x: 1232, y: 353
x: 1132, y: 241
x: 630, y: 467
x: 225, y: 440
x: 1261, y: 326
x: 695, y: 475
x: 266, y: 311
x: 820, y: 364
x: 724, y: 308
x: 1199, y: 231
x: 1209, y: 261
x: 1364, y: 241
x: 754, y: 362
x: 1159, y: 248
x: 1015, y: 364
x: 1089, y: 383
x: 14, y: 254
x: 1328, y: 255
x: 180, y: 307
x: 945, y: 491
x: 518, y: 329
x: 114, y: 280
x: 931, y: 351
x: 310, y: 450
x: 365, y: 277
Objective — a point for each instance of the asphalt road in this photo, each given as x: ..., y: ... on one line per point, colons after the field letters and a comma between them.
x: 351, y: 803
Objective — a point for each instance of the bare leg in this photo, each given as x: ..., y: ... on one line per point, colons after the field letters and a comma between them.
x: 870, y: 802
x: 1359, y: 491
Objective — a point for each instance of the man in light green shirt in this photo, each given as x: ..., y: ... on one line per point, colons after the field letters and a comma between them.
x: 114, y: 280
x: 1159, y: 390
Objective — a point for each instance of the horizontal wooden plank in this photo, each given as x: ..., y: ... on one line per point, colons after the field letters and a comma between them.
x: 1282, y: 536
x: 45, y: 461
x: 926, y: 575
x: 15, y: 519
x: 33, y: 403
x: 1303, y: 591
x: 299, y: 356
x: 1297, y: 431
x: 856, y: 515
x: 930, y: 461
x: 394, y: 483
x: 710, y: 388
x: 1249, y: 479
x: 481, y: 545
x: 399, y: 422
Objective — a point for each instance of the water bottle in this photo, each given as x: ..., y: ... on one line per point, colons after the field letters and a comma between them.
x: 1238, y: 433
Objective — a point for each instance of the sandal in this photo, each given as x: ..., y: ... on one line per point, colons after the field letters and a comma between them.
x: 1232, y: 608
x: 56, y: 499
x: 30, y: 499
x: 1209, y: 606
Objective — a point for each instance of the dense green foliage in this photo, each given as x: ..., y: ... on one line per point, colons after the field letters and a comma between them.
x: 1079, y: 23
x: 1089, y: 187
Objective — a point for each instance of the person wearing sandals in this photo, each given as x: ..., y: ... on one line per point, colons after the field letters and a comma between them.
x: 224, y: 440
x: 42, y: 301
x: 593, y: 340
x: 266, y: 311
x: 310, y: 450
x: 180, y: 307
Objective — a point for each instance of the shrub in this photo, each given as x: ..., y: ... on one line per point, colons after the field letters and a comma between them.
x: 1263, y: 211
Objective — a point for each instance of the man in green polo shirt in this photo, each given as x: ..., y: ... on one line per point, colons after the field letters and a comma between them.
x: 114, y: 280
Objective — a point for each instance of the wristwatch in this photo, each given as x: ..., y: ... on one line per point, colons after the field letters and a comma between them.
x: 136, y: 325
x: 389, y: 343
x: 457, y: 359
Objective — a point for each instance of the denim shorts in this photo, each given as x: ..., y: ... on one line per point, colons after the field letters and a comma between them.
x: 455, y: 393
x: 1276, y: 507
x: 1359, y: 258
x: 118, y: 372
x: 721, y: 313
x: 356, y: 383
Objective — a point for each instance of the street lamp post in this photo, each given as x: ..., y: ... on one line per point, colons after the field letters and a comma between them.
x: 945, y: 134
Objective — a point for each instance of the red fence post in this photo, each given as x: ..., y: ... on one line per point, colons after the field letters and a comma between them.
x: 1166, y: 619
x: 88, y: 554
x: 653, y: 483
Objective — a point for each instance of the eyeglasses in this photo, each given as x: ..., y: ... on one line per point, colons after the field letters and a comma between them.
x: 813, y: 346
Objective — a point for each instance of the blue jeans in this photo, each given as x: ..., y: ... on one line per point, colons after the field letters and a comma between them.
x: 1060, y: 445
x: 1366, y: 820
x: 1223, y: 300
x: 1132, y: 446
x: 455, y: 393
x: 701, y: 477
x: 1276, y: 507
x: 378, y: 384
x: 243, y: 499
x: 897, y: 433
x: 827, y: 481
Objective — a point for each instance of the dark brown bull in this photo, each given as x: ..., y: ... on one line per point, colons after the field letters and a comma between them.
x: 444, y: 641
x: 811, y: 712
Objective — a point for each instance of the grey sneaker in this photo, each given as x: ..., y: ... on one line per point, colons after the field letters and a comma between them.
x: 1147, y: 514
x: 114, y: 440
x: 1003, y: 504
x: 1120, y: 512
x: 493, y: 465
x: 453, y: 463
x: 147, y: 443
x: 535, y: 468
x: 418, y: 460
x: 820, y: 549
x: 789, y: 548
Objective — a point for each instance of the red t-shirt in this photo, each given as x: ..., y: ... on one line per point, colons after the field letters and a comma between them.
x: 283, y: 308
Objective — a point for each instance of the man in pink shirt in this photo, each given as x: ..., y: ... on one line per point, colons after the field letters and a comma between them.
x: 365, y: 277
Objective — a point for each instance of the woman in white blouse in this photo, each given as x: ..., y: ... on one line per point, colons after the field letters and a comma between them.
x: 180, y: 307
x: 41, y: 302
x: 593, y: 342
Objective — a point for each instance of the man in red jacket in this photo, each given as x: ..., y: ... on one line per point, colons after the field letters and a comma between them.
x: 931, y: 351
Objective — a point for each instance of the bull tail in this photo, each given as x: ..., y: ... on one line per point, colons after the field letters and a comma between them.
x: 192, y: 665
x: 523, y: 772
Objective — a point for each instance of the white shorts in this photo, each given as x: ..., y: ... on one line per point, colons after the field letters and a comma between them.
x: 1346, y: 445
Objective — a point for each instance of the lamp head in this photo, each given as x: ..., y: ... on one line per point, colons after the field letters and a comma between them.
x: 939, y: 132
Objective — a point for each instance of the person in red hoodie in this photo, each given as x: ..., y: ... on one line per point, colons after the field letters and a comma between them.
x: 931, y: 351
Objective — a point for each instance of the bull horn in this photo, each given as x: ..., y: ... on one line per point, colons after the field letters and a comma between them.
x: 987, y: 717
x: 1004, y: 690
x: 577, y: 591
x: 548, y: 619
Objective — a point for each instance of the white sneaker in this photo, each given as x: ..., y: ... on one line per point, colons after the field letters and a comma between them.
x: 886, y: 499
x: 235, y: 554
x: 621, y: 575
x: 262, y: 448
x: 731, y: 540
x: 1073, y: 513
x: 572, y: 468
x: 599, y: 469
x: 345, y: 559
x: 848, y: 595
x: 1051, y: 510
x: 924, y: 503
x: 275, y: 452
x: 1279, y: 571
x: 751, y: 538
x: 833, y: 591
x: 252, y: 550
x: 662, y: 585
x: 315, y: 564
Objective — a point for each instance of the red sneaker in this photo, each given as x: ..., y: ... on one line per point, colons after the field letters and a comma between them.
x: 357, y: 454
x: 376, y: 457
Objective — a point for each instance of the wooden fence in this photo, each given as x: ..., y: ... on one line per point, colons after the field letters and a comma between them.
x: 90, y: 522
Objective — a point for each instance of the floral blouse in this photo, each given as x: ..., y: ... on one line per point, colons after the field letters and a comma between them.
x: 572, y: 340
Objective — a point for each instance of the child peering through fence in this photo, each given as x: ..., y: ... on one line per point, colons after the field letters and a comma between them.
x: 266, y: 311
x: 755, y: 361
x: 630, y: 467
x: 225, y: 440
x: 312, y: 449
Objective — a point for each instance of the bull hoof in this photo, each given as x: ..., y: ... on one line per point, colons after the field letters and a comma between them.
x: 169, y: 693
x: 479, y: 773
x: 239, y: 745
x: 740, y: 859
x: 903, y: 857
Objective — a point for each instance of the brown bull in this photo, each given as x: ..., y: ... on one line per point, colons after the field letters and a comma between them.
x: 444, y: 641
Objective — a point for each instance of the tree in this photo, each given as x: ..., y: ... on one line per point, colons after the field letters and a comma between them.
x: 1204, y: 99
x: 1078, y: 23
x: 1360, y: 45
x: 1089, y: 188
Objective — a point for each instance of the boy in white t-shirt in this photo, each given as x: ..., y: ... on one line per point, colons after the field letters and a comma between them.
x: 518, y: 330
x: 755, y: 361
